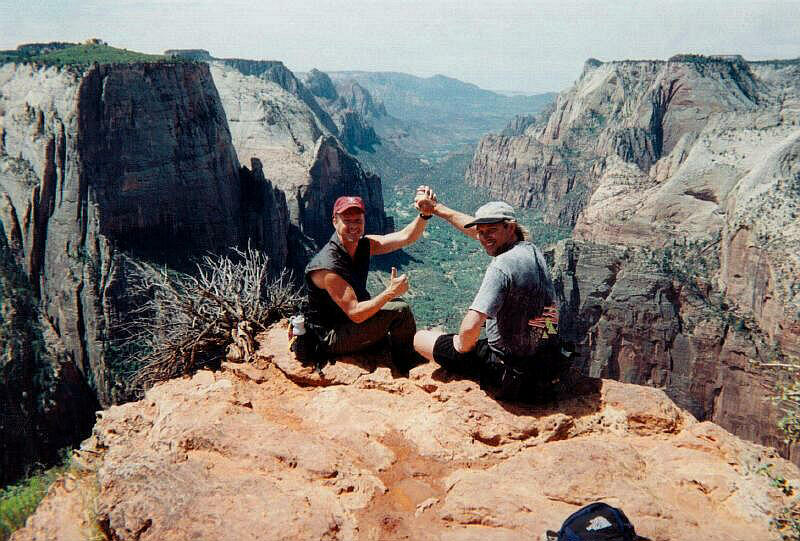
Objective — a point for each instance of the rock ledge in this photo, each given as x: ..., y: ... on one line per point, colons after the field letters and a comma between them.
x: 360, y: 453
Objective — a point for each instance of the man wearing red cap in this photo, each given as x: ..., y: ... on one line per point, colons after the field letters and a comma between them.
x: 349, y: 319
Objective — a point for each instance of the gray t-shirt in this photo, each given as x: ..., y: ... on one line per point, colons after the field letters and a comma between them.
x: 515, y: 288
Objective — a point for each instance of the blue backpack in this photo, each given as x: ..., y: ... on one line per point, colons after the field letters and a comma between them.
x: 595, y: 522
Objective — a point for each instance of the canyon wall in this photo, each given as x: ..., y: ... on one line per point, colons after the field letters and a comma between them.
x: 351, y: 107
x: 638, y: 111
x: 103, y: 164
x: 681, y: 180
x: 634, y: 321
x: 275, y: 119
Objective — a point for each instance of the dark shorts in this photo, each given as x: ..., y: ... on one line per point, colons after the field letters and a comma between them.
x: 531, y: 379
x: 393, y: 320
x: 470, y: 363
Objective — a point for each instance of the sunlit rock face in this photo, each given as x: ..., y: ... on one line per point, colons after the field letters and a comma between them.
x: 681, y: 179
x: 274, y: 118
x: 351, y: 107
x: 274, y: 449
x: 638, y: 111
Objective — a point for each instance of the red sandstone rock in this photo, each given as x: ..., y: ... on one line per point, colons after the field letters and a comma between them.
x: 246, y: 453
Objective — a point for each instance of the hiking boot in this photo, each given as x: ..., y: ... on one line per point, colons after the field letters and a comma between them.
x: 511, y: 384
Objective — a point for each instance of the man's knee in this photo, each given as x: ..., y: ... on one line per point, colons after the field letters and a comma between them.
x: 401, y: 316
x: 424, y: 341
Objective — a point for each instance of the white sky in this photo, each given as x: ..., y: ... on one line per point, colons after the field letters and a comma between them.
x: 501, y: 45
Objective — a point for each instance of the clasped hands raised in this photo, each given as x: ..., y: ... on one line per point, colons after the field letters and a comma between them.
x: 425, y: 200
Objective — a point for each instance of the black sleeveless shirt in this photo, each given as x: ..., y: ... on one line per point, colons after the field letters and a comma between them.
x: 333, y: 257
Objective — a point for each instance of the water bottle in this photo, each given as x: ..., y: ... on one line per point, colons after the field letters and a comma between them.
x: 297, y: 329
x: 298, y: 324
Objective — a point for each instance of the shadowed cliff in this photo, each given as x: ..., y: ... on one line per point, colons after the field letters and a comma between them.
x: 99, y: 164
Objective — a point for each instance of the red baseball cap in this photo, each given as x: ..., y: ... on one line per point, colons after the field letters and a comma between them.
x: 348, y: 202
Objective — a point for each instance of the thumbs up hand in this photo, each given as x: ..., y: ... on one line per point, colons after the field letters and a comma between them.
x: 397, y: 285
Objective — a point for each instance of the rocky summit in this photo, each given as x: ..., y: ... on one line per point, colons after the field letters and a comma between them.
x: 276, y: 450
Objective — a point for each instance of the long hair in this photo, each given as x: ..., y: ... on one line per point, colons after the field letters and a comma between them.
x: 521, y: 232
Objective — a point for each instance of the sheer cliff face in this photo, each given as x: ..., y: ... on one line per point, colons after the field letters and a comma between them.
x: 350, y: 106
x: 135, y: 158
x: 634, y: 320
x: 335, y: 173
x: 691, y: 165
x: 727, y: 172
x: 636, y: 111
x: 155, y: 151
x: 271, y: 120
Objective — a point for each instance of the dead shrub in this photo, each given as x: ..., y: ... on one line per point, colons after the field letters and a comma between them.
x: 186, y: 322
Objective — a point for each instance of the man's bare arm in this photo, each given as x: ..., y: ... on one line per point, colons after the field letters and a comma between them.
x: 469, y: 332
x: 383, y: 244
x: 344, y: 296
x: 457, y: 219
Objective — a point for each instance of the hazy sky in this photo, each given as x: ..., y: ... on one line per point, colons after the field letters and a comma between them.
x: 501, y: 45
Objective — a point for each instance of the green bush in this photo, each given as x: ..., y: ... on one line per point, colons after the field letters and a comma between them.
x: 85, y: 55
x: 787, y: 521
x: 787, y: 397
x: 19, y: 501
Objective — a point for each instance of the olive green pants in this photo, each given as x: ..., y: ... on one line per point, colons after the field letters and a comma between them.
x: 394, y: 321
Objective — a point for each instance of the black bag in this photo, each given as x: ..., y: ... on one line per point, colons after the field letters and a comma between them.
x: 310, y: 348
x: 531, y: 379
x: 596, y: 522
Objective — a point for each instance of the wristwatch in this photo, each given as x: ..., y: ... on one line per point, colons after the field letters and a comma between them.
x: 425, y: 216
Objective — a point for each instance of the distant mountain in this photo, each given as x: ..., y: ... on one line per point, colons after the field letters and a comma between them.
x: 415, y: 98
x: 448, y: 111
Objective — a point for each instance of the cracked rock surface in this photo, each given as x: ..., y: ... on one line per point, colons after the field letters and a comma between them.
x: 276, y: 450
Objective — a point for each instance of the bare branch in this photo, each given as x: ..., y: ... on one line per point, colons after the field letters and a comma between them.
x: 185, y: 322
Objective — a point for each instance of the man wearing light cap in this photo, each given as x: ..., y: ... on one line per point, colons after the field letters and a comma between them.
x: 339, y: 303
x: 515, y: 301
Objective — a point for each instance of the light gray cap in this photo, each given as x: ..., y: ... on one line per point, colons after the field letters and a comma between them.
x: 493, y: 212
